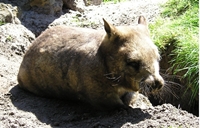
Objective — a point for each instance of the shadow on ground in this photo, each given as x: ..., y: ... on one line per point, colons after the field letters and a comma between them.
x: 58, y: 113
x: 30, y: 18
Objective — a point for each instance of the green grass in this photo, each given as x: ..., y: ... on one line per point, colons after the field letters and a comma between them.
x: 174, y: 127
x: 2, y: 23
x: 114, y: 1
x: 178, y: 24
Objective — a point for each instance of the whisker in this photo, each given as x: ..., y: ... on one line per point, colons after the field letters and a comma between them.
x: 144, y: 89
x: 111, y: 78
x: 168, y: 88
x: 169, y: 75
x: 117, y: 79
x: 108, y: 74
x: 172, y: 83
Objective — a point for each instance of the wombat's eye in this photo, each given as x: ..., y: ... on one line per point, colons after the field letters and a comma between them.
x: 134, y: 64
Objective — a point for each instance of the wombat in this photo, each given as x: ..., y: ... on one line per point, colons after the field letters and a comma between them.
x: 101, y: 67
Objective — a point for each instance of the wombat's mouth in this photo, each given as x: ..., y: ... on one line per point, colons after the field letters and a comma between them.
x: 151, y: 85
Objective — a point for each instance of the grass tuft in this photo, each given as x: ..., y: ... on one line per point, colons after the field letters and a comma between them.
x: 113, y: 1
x: 2, y: 23
x: 178, y: 24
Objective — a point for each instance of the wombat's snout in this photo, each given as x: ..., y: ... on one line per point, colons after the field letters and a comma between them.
x: 154, y: 83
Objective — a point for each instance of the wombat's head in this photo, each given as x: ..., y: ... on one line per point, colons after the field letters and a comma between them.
x: 131, y: 57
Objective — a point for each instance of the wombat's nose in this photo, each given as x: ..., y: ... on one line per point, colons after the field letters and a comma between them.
x: 158, y: 84
x: 155, y: 83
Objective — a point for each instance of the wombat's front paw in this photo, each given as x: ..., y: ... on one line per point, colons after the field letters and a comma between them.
x: 130, y: 98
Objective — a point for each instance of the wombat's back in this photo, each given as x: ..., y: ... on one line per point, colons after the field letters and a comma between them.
x: 52, y: 64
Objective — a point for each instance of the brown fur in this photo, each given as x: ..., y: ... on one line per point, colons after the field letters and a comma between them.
x: 99, y: 67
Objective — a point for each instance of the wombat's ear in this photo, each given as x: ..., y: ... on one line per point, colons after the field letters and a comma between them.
x: 109, y: 28
x: 142, y: 20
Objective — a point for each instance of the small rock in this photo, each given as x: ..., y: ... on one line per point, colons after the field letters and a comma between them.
x: 11, y: 113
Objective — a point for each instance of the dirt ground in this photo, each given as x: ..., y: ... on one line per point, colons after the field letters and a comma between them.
x: 21, y: 109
